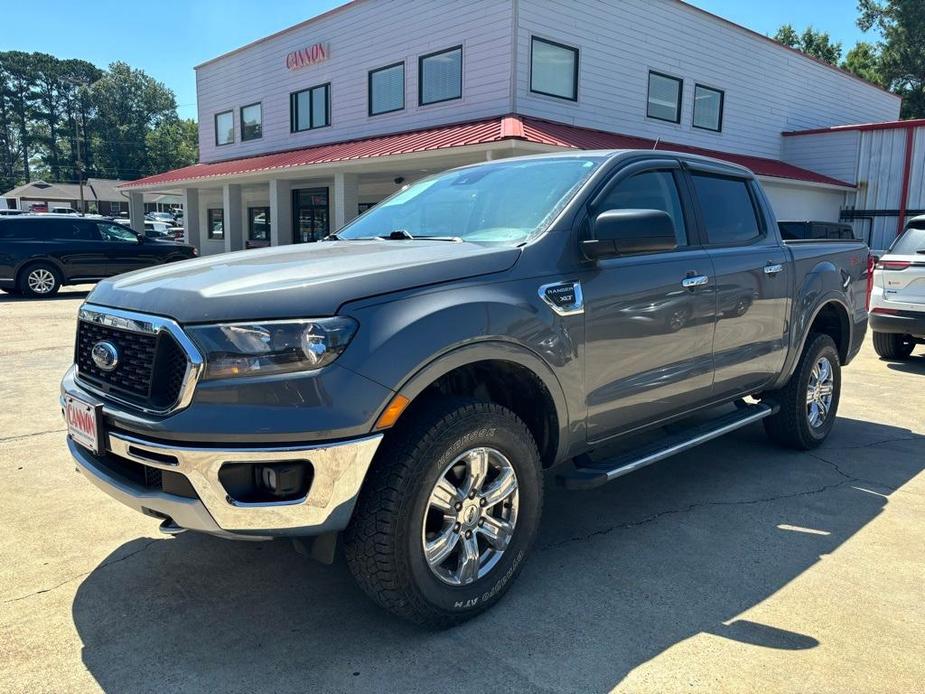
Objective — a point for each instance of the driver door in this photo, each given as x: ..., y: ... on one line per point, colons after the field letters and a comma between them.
x: 649, y: 317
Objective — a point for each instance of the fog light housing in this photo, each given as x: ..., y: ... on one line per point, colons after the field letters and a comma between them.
x: 250, y: 483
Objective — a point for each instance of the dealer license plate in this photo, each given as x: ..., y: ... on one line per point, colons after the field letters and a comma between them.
x: 82, y: 424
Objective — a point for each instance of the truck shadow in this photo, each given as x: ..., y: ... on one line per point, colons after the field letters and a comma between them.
x: 619, y: 575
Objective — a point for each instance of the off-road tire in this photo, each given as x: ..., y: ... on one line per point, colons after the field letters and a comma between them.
x: 789, y: 426
x: 23, y: 284
x: 382, y: 545
x: 893, y: 346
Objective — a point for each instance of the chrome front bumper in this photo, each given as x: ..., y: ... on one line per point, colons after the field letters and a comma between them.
x: 339, y: 470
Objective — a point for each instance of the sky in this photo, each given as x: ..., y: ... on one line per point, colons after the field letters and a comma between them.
x: 168, y: 38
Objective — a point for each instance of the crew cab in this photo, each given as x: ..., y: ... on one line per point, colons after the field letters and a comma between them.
x: 41, y: 253
x: 897, y: 302
x: 402, y: 387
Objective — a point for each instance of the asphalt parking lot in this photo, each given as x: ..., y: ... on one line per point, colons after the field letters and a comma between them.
x: 735, y: 567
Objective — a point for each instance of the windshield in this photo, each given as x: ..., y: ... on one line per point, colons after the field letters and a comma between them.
x: 912, y: 241
x: 499, y: 203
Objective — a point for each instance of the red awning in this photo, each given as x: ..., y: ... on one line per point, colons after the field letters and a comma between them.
x: 498, y: 129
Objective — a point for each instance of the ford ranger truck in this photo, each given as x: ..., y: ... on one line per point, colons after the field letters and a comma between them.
x: 400, y: 389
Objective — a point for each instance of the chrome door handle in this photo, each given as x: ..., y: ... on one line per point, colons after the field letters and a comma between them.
x: 695, y: 281
x: 773, y: 269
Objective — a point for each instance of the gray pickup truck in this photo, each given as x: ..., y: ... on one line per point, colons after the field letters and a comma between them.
x: 403, y: 386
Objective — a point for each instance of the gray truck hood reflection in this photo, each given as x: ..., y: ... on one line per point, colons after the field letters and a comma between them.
x: 307, y: 280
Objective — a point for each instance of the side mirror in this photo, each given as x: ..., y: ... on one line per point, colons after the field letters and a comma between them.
x: 622, y: 232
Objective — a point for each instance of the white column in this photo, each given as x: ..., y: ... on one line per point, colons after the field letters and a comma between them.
x: 346, y: 198
x: 136, y: 211
x: 280, y: 212
x: 232, y: 217
x: 192, y: 229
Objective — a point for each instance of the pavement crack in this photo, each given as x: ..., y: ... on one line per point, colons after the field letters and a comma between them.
x: 85, y: 573
x: 35, y: 433
x: 693, y: 507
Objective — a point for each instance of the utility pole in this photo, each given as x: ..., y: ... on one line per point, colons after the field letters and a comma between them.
x: 80, y: 167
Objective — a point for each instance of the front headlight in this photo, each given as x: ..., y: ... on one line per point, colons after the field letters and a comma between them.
x: 258, y: 349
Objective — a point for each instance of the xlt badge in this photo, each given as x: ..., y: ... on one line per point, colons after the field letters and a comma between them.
x: 563, y: 297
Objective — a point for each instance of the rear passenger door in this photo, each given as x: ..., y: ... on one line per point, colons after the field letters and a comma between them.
x: 77, y: 246
x: 752, y: 280
x: 648, y: 316
x: 125, y: 251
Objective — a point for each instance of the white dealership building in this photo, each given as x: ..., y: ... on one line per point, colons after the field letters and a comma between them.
x: 307, y: 127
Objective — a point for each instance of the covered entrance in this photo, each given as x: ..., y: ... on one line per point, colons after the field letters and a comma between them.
x: 311, y: 215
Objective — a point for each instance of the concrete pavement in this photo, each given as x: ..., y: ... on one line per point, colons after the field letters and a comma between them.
x: 735, y: 567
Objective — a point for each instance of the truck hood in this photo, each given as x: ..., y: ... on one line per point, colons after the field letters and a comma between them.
x: 306, y: 280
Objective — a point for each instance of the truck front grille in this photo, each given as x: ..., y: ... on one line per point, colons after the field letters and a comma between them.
x: 150, y: 370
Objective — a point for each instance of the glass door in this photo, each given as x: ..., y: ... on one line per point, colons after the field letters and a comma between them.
x: 311, y: 215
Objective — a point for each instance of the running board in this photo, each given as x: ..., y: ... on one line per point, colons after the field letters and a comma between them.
x: 587, y: 474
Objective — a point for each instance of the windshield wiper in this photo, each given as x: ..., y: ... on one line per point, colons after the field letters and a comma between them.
x: 397, y: 235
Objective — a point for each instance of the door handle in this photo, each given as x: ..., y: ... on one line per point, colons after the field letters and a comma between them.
x: 773, y: 269
x: 694, y: 281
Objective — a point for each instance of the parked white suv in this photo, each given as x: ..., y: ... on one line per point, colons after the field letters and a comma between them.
x: 897, y: 300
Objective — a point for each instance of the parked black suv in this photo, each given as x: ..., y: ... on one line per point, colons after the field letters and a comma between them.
x: 39, y: 254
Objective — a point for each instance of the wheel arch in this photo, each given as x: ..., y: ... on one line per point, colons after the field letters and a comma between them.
x: 496, y: 365
x: 830, y: 316
x: 29, y: 262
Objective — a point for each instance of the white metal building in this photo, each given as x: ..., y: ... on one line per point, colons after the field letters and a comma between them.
x: 308, y: 126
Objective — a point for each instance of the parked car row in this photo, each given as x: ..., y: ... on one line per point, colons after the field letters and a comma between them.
x: 41, y: 253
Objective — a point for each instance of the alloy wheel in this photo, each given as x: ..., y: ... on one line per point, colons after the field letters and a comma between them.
x: 819, y: 392
x: 40, y: 281
x: 470, y: 516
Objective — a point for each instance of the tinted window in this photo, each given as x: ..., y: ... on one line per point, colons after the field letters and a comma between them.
x: 17, y: 229
x: 251, y: 122
x: 727, y: 208
x: 258, y: 223
x: 651, y: 190
x: 116, y: 233
x: 216, y: 221
x: 912, y: 241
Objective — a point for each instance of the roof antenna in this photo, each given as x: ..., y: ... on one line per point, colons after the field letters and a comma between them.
x: 657, y: 140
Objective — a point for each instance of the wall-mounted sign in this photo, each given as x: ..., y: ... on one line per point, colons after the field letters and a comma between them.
x: 304, y: 57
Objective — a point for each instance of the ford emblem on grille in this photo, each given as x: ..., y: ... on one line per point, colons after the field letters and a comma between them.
x: 105, y: 356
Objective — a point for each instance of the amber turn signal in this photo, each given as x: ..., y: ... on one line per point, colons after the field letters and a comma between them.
x: 391, y: 413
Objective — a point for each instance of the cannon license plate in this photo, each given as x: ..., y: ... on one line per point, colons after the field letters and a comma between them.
x: 82, y: 422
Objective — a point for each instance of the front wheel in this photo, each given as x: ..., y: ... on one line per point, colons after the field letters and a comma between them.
x: 40, y: 280
x: 448, y: 513
x: 893, y: 345
x: 809, y: 401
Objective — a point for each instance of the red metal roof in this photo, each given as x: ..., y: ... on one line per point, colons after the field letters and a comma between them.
x: 884, y: 125
x: 498, y: 129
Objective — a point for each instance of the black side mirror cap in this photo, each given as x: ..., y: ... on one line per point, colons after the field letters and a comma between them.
x: 625, y: 232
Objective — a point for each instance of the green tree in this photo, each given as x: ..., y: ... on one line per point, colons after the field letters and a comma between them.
x: 128, y: 104
x: 902, y: 51
x: 173, y: 143
x: 815, y: 43
x: 864, y: 61
x: 19, y: 75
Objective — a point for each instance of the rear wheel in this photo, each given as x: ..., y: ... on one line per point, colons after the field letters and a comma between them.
x: 893, y: 345
x: 809, y: 401
x: 40, y: 280
x: 447, y: 513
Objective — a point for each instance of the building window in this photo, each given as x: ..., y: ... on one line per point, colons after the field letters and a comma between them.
x: 708, y: 108
x: 310, y: 108
x: 251, y: 122
x: 224, y: 128
x: 440, y: 76
x: 258, y: 225
x: 664, y: 97
x: 553, y: 69
x: 216, y: 220
x: 387, y: 89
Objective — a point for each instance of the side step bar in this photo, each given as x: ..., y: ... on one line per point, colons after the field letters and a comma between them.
x: 588, y: 474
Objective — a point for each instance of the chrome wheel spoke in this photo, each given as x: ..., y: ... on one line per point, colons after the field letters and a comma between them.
x: 442, y: 546
x: 477, y: 470
x: 468, y: 569
x: 503, y: 486
x: 826, y: 389
x: 444, y: 496
x: 498, y: 532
